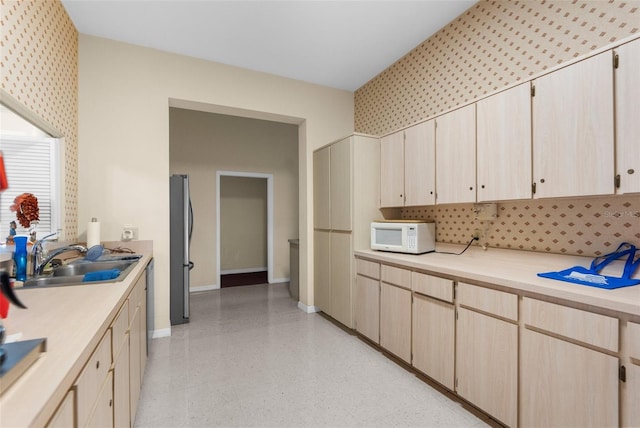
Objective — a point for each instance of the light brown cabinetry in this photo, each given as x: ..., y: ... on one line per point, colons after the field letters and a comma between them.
x: 433, y: 329
x: 504, y: 145
x: 395, y: 311
x: 367, y: 300
x: 121, y: 395
x: 573, y: 130
x: 627, y: 84
x: 456, y: 156
x: 567, y: 382
x: 407, y: 167
x: 64, y: 417
x: 102, y: 414
x: 487, y: 351
x: 137, y: 339
x: 631, y: 386
x: 89, y: 384
x: 346, y: 183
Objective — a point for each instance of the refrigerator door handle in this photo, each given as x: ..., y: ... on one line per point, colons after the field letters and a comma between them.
x: 186, y: 292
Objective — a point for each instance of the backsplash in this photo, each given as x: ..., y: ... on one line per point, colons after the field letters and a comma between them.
x: 39, y: 68
x: 580, y: 226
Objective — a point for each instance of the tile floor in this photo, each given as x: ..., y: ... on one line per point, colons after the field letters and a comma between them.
x: 250, y: 357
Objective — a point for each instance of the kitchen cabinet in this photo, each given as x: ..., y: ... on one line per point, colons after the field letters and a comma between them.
x: 573, y: 130
x: 395, y: 311
x: 504, y: 145
x: 627, y: 87
x: 433, y: 329
x: 137, y: 338
x: 367, y: 300
x: 121, y: 394
x: 456, y: 156
x: 487, y: 351
x: 392, y: 170
x: 89, y: 384
x: 407, y: 167
x: 347, y: 182
x: 64, y: 416
x: 630, y: 388
x: 102, y: 414
x: 568, y: 383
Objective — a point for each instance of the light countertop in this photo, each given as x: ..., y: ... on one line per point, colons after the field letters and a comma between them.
x: 73, y: 319
x: 517, y: 270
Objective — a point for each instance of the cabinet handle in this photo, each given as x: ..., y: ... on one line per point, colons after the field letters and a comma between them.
x: 482, y: 186
x: 98, y: 364
x: 471, y: 188
x: 630, y: 171
x: 542, y: 180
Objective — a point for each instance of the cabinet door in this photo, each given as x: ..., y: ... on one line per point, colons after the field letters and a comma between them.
x: 121, y: 393
x: 341, y: 185
x: 504, y: 145
x: 627, y: 114
x: 433, y: 339
x: 134, y: 363
x: 392, y: 170
x: 420, y: 164
x: 573, y: 130
x: 322, y: 271
x: 322, y: 189
x: 64, y: 416
x: 367, y: 307
x: 456, y: 156
x: 564, y: 384
x: 102, y: 415
x: 631, y: 391
x: 341, y: 261
x: 395, y: 320
x: 487, y: 364
x: 142, y: 284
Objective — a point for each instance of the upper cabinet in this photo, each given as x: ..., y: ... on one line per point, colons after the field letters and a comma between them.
x: 322, y: 188
x: 504, y: 145
x: 456, y: 156
x: 420, y: 164
x: 407, y: 168
x: 341, y: 185
x: 392, y: 170
x: 627, y: 84
x: 573, y: 130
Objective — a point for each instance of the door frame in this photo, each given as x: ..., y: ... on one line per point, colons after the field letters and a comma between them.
x: 269, y: 178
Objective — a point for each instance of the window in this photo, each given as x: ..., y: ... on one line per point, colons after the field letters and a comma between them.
x: 31, y: 160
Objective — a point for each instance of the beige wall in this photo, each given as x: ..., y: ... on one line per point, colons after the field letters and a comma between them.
x: 243, y: 224
x: 39, y: 69
x: 492, y: 45
x: 124, y: 97
x: 201, y: 144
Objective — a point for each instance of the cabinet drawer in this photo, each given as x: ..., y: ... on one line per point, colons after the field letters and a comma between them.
x: 491, y: 301
x: 367, y: 268
x: 396, y: 276
x: 119, y: 328
x: 433, y: 286
x: 592, y: 329
x: 91, y: 379
x: 633, y: 337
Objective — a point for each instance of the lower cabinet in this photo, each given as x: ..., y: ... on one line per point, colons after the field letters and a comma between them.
x: 395, y: 320
x: 631, y: 385
x: 433, y: 340
x: 90, y: 383
x: 487, y: 364
x: 102, y: 415
x: 341, y: 274
x: 564, y: 384
x: 367, y: 307
x: 322, y: 270
x: 64, y: 417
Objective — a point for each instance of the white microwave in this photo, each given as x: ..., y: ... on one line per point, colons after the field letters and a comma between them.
x: 409, y: 237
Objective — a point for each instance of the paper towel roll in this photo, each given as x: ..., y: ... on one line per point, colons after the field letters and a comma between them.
x: 93, y: 233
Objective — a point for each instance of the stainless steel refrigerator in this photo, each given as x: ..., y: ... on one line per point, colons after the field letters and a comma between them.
x: 181, y: 225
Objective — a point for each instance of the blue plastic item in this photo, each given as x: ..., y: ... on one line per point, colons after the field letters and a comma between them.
x: 593, y: 278
x: 101, y: 275
x: 20, y: 257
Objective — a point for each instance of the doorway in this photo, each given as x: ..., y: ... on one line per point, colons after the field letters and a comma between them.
x: 244, y: 228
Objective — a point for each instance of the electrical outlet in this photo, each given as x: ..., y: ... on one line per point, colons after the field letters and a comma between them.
x: 477, y: 233
x: 129, y: 233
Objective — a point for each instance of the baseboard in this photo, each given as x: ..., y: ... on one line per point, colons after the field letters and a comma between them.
x: 244, y: 270
x: 279, y: 280
x: 163, y: 332
x: 308, y: 309
x: 203, y: 288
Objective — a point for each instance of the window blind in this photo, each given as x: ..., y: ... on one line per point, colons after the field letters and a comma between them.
x: 31, y: 167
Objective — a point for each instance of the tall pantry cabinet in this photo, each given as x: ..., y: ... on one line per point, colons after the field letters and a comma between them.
x: 346, y: 195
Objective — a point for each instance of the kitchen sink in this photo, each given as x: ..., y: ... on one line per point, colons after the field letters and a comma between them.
x: 74, y: 273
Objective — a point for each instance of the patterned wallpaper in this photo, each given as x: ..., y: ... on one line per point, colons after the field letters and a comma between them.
x: 39, y: 68
x: 494, y: 44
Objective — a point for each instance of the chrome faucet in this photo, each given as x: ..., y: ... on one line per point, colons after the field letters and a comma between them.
x: 40, y: 259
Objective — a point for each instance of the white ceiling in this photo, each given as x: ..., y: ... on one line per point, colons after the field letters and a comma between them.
x: 340, y: 44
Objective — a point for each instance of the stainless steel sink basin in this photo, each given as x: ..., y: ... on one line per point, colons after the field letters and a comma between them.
x: 73, y: 273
